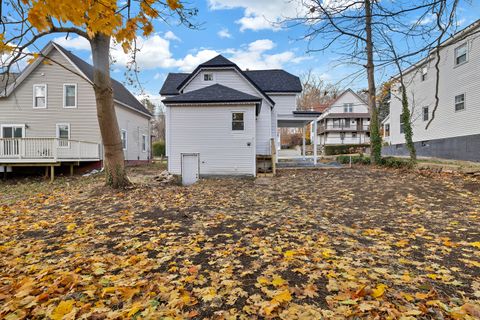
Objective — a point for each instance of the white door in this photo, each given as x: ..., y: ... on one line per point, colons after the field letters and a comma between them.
x: 190, y: 168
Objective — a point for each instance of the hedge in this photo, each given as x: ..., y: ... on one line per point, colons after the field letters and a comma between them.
x: 158, y: 148
x: 345, y: 149
x: 389, y: 162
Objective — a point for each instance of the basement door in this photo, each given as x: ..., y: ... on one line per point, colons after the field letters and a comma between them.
x: 190, y: 168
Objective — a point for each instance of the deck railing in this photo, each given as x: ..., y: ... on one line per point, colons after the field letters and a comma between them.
x: 47, y: 150
x: 342, y: 127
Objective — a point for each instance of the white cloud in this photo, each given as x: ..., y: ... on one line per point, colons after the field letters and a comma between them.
x: 261, y: 45
x: 169, y: 35
x: 158, y: 76
x: 260, y: 14
x: 77, y: 43
x: 224, y: 33
x: 191, y: 61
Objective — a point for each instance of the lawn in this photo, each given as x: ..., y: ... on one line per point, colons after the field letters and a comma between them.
x: 351, y: 243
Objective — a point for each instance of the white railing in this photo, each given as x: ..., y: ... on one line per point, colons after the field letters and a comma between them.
x: 47, y: 150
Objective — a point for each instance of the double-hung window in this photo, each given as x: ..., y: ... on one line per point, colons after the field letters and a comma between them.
x: 461, y: 54
x: 70, y: 95
x: 425, y: 113
x: 460, y: 102
x: 208, y: 77
x: 144, y: 143
x: 348, y: 107
x: 63, y: 135
x: 40, y: 96
x: 123, y: 136
x: 238, y: 121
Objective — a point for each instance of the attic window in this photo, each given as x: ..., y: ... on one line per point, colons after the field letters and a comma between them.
x: 208, y: 77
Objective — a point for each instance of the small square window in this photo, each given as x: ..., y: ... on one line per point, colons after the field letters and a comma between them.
x: 461, y: 54
x: 208, y: 77
x: 40, y: 96
x: 238, y: 123
x: 460, y: 102
x: 425, y: 113
x: 124, y: 139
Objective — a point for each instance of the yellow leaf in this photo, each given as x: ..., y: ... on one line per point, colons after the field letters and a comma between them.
x: 263, y: 280
x: 174, y: 4
x: 421, y: 296
x: 282, y: 296
x: 278, y: 281
x: 71, y: 226
x: 475, y: 244
x: 134, y: 309
x: 379, y: 290
x: 289, y: 254
x: 63, y: 308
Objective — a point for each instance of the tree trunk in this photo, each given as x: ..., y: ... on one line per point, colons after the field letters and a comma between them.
x: 375, y: 139
x: 407, y: 123
x: 114, y: 163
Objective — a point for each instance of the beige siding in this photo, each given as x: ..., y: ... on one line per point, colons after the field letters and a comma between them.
x: 136, y: 125
x: 454, y: 80
x: 17, y: 108
x: 208, y: 131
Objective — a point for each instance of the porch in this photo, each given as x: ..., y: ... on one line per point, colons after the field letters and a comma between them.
x: 46, y: 150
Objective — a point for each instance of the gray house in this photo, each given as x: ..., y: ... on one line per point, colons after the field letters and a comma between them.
x: 48, y: 115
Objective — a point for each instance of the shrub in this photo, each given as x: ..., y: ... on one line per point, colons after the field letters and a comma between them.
x: 345, y: 149
x: 355, y: 159
x: 397, y: 163
x: 158, y: 148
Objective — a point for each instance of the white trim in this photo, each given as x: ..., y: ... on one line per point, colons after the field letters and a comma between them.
x: 208, y: 73
x: 144, y: 139
x: 57, y: 134
x: 132, y: 108
x: 46, y: 95
x: 65, y: 96
x: 15, y: 125
x: 465, y: 44
x: 185, y: 104
x: 126, y: 139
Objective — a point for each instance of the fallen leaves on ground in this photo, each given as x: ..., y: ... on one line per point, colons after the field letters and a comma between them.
x: 353, y: 243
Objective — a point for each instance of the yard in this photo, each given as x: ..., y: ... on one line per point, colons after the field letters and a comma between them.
x: 351, y: 243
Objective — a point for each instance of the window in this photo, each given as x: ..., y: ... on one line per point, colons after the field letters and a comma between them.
x: 69, y: 95
x: 346, y: 123
x: 208, y: 77
x: 39, y: 95
x: 238, y: 123
x: 342, y: 135
x: 461, y: 54
x: 387, y: 130
x: 354, y: 134
x: 425, y: 113
x: 144, y: 143
x: 124, y: 139
x: 63, y: 135
x: 424, y: 73
x: 460, y: 102
x: 402, y: 128
x: 336, y: 123
x: 348, y: 107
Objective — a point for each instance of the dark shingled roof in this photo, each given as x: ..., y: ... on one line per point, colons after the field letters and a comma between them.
x: 120, y: 93
x: 275, y: 80
x: 213, y: 93
x: 171, y: 83
x: 218, y: 61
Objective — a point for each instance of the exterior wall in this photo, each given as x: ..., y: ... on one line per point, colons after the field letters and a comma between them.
x: 458, y: 148
x: 332, y: 138
x: 454, y: 80
x: 17, y: 108
x: 284, y: 103
x: 358, y: 105
x: 136, y: 125
x: 232, y: 79
x: 207, y: 130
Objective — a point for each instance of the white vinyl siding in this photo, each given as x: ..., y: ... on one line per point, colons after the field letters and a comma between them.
x: 460, y: 102
x: 461, y: 54
x: 448, y: 122
x: 284, y: 103
x: 207, y: 130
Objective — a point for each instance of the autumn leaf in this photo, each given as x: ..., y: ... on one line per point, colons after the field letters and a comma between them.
x: 379, y: 290
x: 282, y: 296
x: 63, y: 309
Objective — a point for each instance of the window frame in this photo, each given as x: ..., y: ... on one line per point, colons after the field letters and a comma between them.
x: 34, y: 96
x: 456, y: 56
x: 144, y: 143
x: 65, y: 96
x: 427, y: 114
x: 464, y: 102
x: 348, y: 107
x: 126, y: 139
x: 208, y: 74
x: 424, y: 74
x: 57, y: 134
x: 232, y: 122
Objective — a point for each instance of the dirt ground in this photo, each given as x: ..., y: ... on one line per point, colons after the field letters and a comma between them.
x: 359, y: 243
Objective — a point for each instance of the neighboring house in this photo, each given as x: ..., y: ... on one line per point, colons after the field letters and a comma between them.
x: 454, y: 133
x: 386, y: 130
x: 221, y: 119
x: 48, y: 115
x: 345, y: 121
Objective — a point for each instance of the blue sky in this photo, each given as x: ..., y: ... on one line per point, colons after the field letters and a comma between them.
x: 242, y: 30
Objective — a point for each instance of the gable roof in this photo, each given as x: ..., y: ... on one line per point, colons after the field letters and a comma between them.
x: 171, y: 83
x: 275, y: 80
x: 212, y: 94
x: 218, y: 61
x: 120, y: 94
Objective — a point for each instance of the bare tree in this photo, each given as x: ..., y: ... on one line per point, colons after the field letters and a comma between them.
x: 316, y: 92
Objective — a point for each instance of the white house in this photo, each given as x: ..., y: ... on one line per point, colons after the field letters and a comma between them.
x: 48, y: 115
x: 220, y: 119
x: 454, y: 133
x: 345, y: 121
